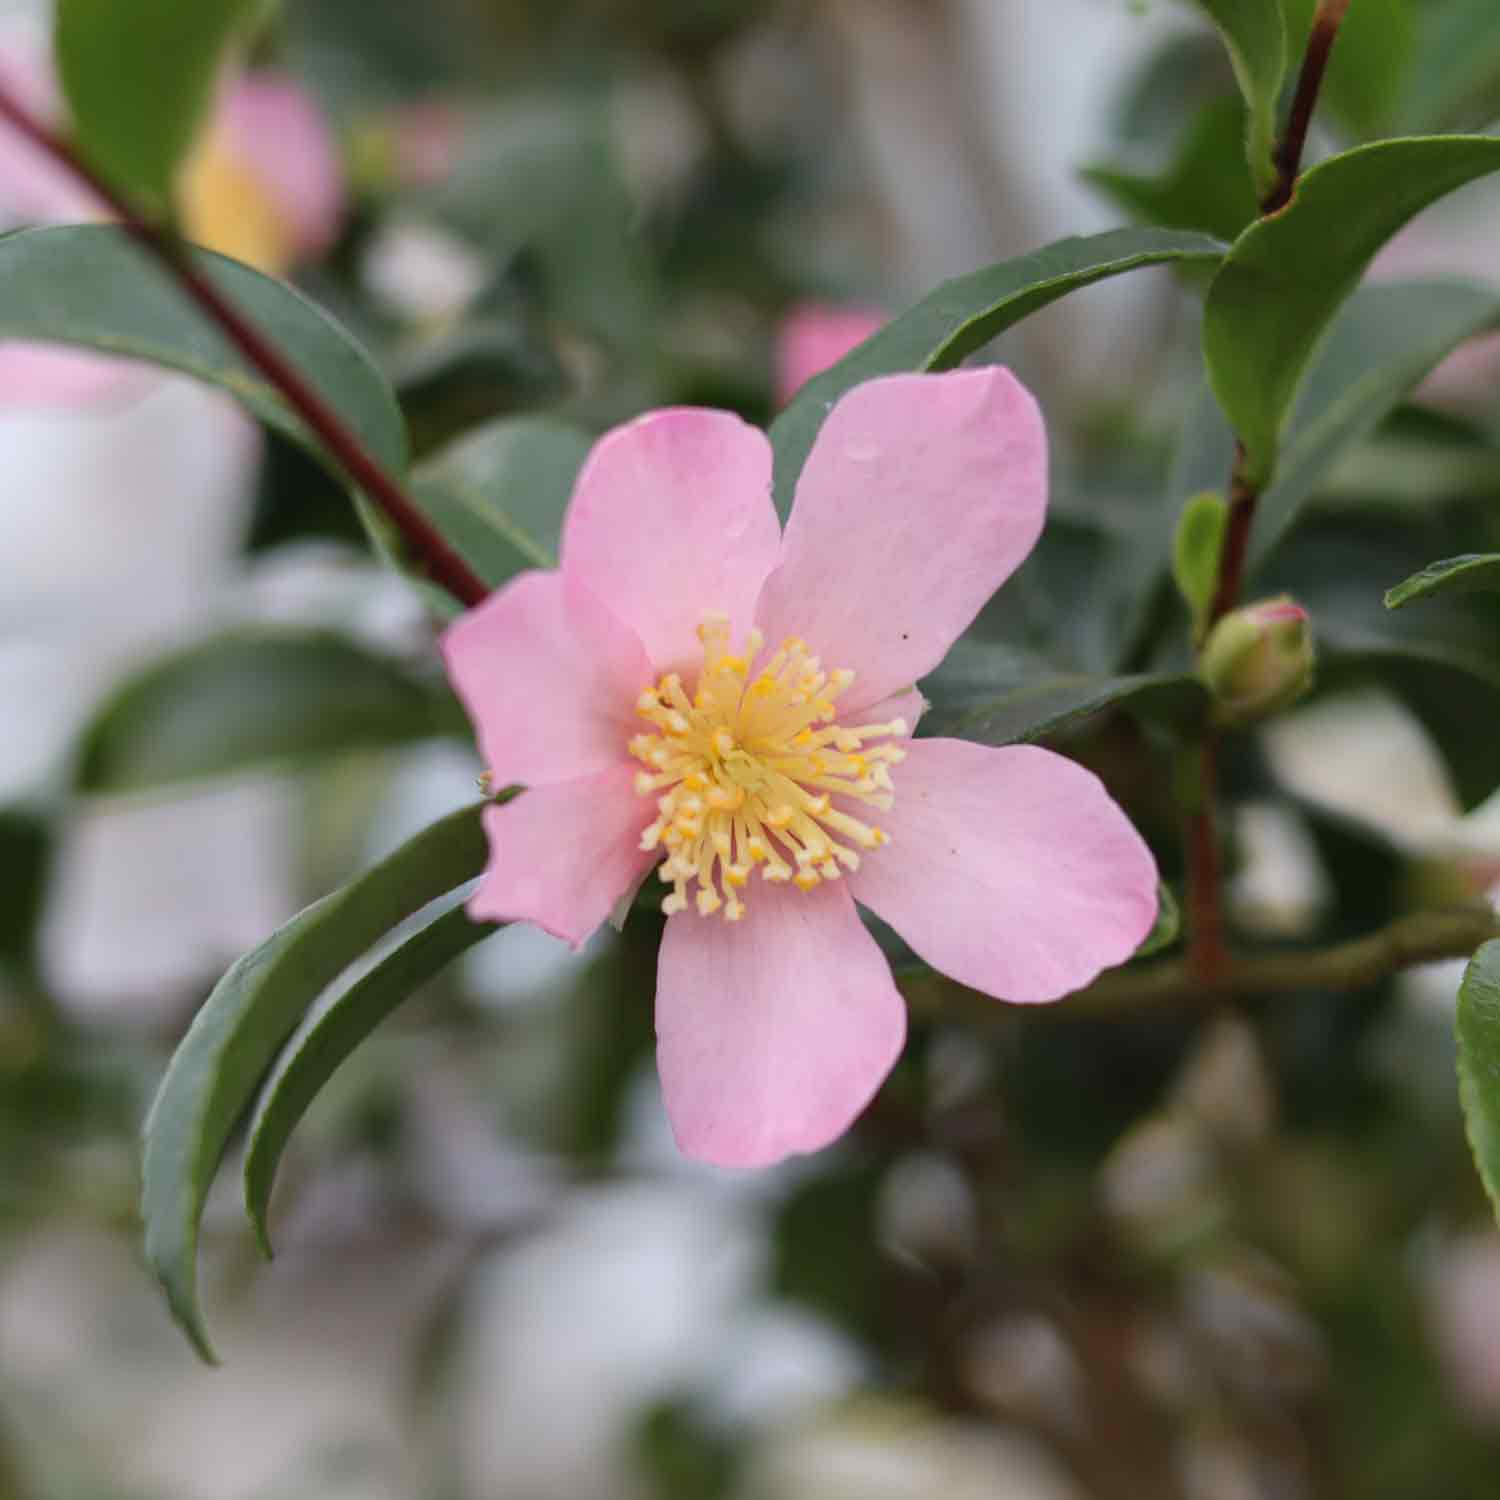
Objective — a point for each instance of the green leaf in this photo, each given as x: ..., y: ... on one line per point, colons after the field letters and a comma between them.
x: 1205, y: 187
x: 550, y: 159
x: 139, y: 77
x: 498, y: 494
x: 994, y: 696
x: 1478, y: 1027
x: 1455, y: 64
x: 965, y: 314
x: 247, y: 700
x: 1255, y: 36
x: 1196, y: 549
x: 331, y: 1031
x: 1472, y: 573
x: 25, y: 859
x: 1286, y: 277
x: 245, y: 1021
x: 90, y: 286
x: 1167, y: 928
x: 1385, y: 340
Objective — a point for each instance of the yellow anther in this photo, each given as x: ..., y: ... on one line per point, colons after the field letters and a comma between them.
x: 744, y: 774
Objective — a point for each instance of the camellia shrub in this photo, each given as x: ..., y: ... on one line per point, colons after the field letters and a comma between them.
x: 908, y: 726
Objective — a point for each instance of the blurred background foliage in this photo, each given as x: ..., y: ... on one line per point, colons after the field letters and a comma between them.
x: 1198, y: 1255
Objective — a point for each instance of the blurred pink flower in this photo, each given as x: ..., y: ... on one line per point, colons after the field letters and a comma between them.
x: 265, y: 186
x: 634, y: 692
x: 813, y: 337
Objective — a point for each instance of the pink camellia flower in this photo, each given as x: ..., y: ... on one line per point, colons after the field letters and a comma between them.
x: 698, y: 691
x: 815, y: 336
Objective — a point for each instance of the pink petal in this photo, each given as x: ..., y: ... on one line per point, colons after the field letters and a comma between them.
x: 908, y: 704
x: 672, y: 519
x: 1011, y: 870
x: 549, y: 678
x: 773, y: 1033
x: 562, y: 855
x: 273, y: 125
x: 815, y: 335
x: 921, y: 496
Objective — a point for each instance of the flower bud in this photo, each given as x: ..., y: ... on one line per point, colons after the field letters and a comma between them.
x: 1258, y: 660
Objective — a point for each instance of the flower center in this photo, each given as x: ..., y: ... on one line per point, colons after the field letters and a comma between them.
x: 745, y: 773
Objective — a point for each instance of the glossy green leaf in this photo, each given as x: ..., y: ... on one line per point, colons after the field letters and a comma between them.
x: 1287, y: 276
x: 995, y: 696
x: 1167, y: 928
x: 1385, y: 341
x: 1455, y: 65
x: 331, y: 1031
x: 90, y: 286
x: 246, y: 1020
x: 965, y: 314
x: 253, y: 699
x: 498, y: 494
x: 139, y: 76
x: 1204, y: 187
x: 1478, y: 1027
x: 1196, y: 550
x: 1255, y: 35
x: 1472, y: 573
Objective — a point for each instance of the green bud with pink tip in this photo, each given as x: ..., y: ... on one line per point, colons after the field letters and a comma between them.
x: 1258, y: 660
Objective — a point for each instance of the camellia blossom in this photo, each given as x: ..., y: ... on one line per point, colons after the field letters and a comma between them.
x: 697, y: 691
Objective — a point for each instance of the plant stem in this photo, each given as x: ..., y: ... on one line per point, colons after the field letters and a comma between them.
x: 1288, y: 158
x: 1207, y: 956
x: 443, y: 565
x: 1242, y: 502
x: 1417, y: 938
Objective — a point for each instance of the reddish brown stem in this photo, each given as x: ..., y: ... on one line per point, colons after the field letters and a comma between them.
x: 1208, y: 955
x: 443, y: 565
x: 1288, y: 159
x: 1242, y: 501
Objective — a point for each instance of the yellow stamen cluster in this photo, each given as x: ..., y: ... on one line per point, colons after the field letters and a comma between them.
x: 748, y: 770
